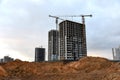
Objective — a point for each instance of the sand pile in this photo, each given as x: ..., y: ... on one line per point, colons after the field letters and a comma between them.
x: 2, y: 72
x: 88, y: 68
x: 89, y: 64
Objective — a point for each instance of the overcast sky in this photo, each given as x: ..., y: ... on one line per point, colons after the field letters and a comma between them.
x: 24, y: 25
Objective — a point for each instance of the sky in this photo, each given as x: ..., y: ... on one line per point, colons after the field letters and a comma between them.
x: 24, y: 25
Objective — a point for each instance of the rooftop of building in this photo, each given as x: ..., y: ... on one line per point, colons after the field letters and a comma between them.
x: 70, y: 21
x: 53, y: 30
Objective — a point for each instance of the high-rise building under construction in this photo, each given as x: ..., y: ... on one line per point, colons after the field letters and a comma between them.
x: 53, y: 45
x: 72, y: 40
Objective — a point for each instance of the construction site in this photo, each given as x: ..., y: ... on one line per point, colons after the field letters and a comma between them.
x: 69, y: 43
x: 67, y: 58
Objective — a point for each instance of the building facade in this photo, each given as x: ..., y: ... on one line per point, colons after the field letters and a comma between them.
x: 116, y: 53
x: 39, y: 54
x: 72, y: 42
x: 53, y: 45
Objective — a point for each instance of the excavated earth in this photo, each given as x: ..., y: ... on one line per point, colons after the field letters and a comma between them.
x: 87, y: 68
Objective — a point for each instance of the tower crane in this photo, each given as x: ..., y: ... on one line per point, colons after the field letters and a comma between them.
x: 83, y: 17
x: 56, y: 20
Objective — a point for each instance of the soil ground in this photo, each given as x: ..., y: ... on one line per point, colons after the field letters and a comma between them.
x: 87, y: 68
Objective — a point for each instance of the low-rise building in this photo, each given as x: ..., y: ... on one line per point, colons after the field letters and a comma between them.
x: 6, y: 59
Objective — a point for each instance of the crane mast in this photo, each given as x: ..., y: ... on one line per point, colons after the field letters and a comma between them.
x: 56, y: 21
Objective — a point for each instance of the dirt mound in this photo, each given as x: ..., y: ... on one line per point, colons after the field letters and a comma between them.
x: 87, y: 68
x: 89, y: 64
x: 2, y: 72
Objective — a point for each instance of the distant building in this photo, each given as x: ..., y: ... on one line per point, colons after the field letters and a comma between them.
x: 72, y: 40
x: 39, y: 54
x: 6, y: 59
x: 1, y: 61
x: 116, y: 53
x: 53, y: 45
